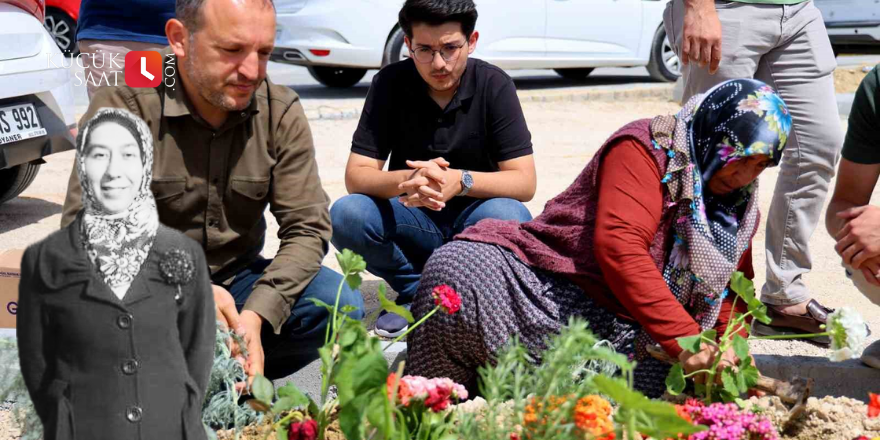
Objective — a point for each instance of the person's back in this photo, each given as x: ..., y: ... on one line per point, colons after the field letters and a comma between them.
x: 109, y: 29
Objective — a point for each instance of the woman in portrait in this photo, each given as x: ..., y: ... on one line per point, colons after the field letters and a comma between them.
x: 116, y: 320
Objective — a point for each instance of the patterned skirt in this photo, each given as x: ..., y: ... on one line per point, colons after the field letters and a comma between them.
x: 500, y: 297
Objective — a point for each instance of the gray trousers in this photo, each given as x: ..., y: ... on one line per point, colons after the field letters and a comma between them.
x: 786, y: 47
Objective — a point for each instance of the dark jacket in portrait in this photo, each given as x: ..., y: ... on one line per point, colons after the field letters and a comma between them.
x: 98, y: 367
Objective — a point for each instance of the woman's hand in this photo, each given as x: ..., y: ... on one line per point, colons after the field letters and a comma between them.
x: 704, y: 360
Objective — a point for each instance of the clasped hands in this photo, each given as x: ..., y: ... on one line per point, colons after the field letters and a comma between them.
x: 431, y: 184
x: 858, y: 242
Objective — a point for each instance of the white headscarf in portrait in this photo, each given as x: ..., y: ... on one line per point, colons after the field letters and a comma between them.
x: 118, y: 244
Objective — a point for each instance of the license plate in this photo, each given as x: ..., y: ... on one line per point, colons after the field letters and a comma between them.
x: 19, y: 122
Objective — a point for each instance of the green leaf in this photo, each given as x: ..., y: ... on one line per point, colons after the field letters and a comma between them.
x: 710, y: 335
x: 369, y: 372
x: 743, y: 287
x: 675, y: 381
x: 749, y: 374
x: 700, y: 389
x: 352, y: 265
x: 348, y: 308
x: 690, y: 343
x: 728, y: 380
x: 313, y: 408
x: 347, y: 339
x: 262, y: 389
x: 320, y: 303
x: 351, y: 416
x: 299, y: 399
x: 377, y: 416
x: 392, y: 307
x: 281, y: 432
x: 742, y: 404
x: 759, y: 311
x: 740, y: 347
x: 283, y: 404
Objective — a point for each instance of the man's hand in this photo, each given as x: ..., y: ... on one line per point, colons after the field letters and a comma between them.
x: 224, y: 307
x: 701, y: 35
x: 871, y: 270
x: 431, y: 185
x: 252, y: 323
x: 859, y: 240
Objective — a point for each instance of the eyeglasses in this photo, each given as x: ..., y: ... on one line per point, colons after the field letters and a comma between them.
x: 449, y: 53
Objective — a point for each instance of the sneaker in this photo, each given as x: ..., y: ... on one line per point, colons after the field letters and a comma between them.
x: 871, y: 355
x: 391, y: 325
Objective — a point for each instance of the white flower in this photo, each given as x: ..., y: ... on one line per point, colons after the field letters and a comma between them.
x: 848, y: 333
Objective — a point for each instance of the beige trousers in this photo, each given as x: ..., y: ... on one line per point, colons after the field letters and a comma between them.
x: 104, y: 60
x: 787, y: 47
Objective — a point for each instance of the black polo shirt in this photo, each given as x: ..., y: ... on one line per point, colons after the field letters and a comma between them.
x: 481, y: 126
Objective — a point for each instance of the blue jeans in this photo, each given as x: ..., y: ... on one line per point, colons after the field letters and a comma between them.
x: 396, y: 241
x: 304, y: 331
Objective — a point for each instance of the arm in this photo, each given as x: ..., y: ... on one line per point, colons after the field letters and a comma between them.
x: 364, y: 175
x: 197, y: 324
x: 855, y: 184
x: 300, y: 206
x: 629, y: 210
x: 104, y: 97
x: 34, y: 344
x: 516, y: 179
x: 701, y: 34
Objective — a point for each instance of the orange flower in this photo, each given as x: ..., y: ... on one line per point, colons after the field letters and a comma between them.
x: 874, y: 406
x: 591, y: 415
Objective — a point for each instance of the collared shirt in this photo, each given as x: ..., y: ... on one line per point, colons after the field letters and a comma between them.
x: 215, y: 184
x: 481, y: 126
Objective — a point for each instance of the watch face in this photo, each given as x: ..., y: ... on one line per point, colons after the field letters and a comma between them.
x: 467, y: 180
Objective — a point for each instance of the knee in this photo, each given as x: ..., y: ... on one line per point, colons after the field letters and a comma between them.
x: 324, y: 287
x: 351, y: 217
x: 502, y: 209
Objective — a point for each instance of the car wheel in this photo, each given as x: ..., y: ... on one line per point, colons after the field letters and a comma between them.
x: 63, y: 30
x: 337, y: 77
x: 395, y: 49
x: 13, y: 181
x: 664, y: 64
x: 578, y: 74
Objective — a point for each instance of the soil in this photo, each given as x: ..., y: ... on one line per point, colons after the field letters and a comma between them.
x: 848, y: 80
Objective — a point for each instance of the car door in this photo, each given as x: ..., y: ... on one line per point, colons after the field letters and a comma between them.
x: 849, y: 13
x: 511, y: 36
x: 602, y: 31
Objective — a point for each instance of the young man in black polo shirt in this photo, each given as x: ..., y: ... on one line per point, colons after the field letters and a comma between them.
x: 459, y: 148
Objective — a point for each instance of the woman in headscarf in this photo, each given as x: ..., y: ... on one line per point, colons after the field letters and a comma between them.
x: 116, y: 319
x: 642, y: 245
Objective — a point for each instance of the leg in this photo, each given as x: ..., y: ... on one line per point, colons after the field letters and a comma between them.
x: 395, y: 241
x: 871, y: 355
x: 801, y: 70
x: 304, y: 331
x: 499, y: 208
x: 747, y: 33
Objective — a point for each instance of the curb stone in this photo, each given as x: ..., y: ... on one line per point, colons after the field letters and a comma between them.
x: 850, y: 378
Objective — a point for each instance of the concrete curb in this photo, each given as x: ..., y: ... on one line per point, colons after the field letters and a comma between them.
x: 601, y: 93
x: 849, y: 379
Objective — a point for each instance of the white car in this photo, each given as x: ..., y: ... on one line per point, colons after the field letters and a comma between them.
x: 339, y: 40
x: 853, y: 25
x: 36, y: 98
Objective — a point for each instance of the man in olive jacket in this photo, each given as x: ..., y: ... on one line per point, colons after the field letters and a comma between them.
x: 229, y: 143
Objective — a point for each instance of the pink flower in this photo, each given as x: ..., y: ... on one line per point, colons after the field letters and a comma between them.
x: 446, y: 298
x: 435, y: 393
x: 305, y: 430
x: 727, y: 422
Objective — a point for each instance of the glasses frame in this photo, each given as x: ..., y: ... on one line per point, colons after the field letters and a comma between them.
x: 451, y: 58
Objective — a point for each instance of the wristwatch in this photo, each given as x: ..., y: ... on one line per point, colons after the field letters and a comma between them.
x: 467, y: 182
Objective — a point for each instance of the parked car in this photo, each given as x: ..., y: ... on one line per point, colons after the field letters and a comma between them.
x: 853, y: 25
x: 61, y: 19
x: 36, y: 98
x: 339, y: 40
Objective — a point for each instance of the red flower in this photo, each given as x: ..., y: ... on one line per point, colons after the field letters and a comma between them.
x: 438, y: 397
x: 874, y: 406
x: 305, y: 430
x: 446, y: 298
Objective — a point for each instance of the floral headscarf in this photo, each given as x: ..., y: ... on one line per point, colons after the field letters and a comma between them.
x: 118, y: 244
x: 734, y: 120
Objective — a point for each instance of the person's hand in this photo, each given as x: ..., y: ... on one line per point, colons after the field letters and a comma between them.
x: 704, y: 360
x: 859, y: 240
x: 871, y: 270
x: 431, y: 185
x: 252, y: 323
x: 701, y: 35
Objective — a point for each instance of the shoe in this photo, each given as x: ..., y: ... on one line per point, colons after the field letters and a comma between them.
x: 789, y: 324
x: 391, y: 325
x: 871, y: 355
